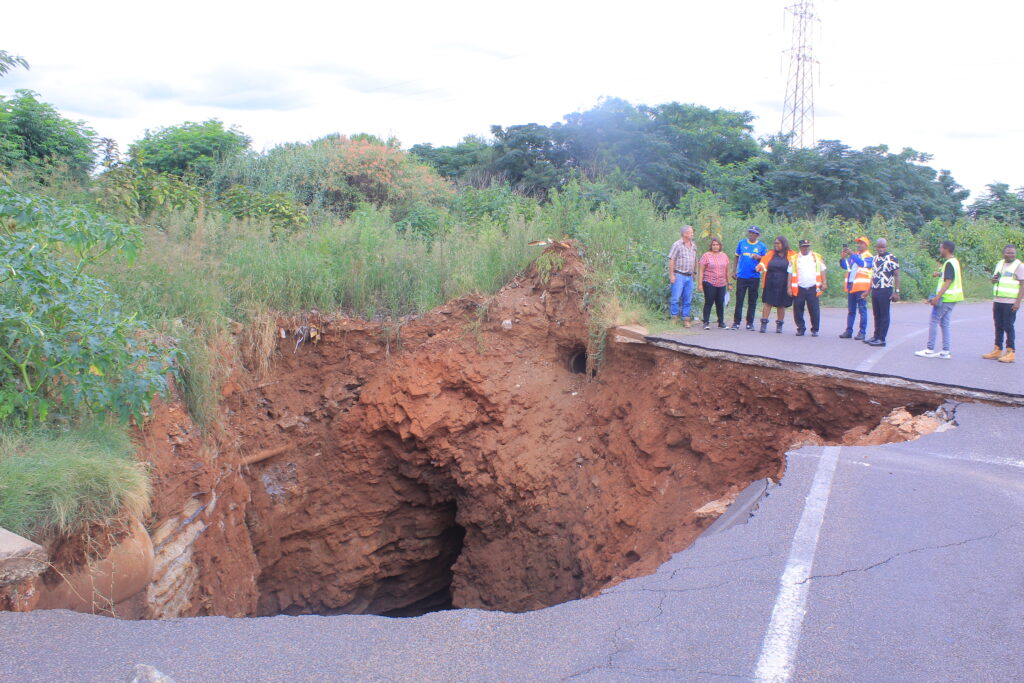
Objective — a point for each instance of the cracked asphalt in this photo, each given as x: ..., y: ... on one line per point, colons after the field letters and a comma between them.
x: 915, y: 574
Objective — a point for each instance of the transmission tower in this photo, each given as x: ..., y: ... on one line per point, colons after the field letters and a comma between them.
x: 798, y: 109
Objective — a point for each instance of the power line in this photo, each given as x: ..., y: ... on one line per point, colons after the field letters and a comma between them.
x: 798, y: 108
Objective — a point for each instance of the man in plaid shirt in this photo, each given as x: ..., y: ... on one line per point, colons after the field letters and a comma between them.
x: 682, y: 261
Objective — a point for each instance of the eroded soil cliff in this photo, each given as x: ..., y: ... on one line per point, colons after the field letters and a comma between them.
x: 457, y: 459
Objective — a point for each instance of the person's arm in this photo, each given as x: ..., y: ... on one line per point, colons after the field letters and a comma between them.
x: 700, y: 271
x: 671, y: 271
x: 736, y: 265
x: 824, y: 276
x: 896, y: 293
x: 728, y: 280
x: 856, y: 258
x: 1020, y: 292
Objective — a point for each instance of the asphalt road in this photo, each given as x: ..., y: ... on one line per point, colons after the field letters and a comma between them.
x: 891, y: 563
x: 973, y: 334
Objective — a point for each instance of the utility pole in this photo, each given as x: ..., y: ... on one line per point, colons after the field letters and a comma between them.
x: 798, y: 109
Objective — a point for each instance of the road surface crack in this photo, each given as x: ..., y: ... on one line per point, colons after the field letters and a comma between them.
x: 911, y: 552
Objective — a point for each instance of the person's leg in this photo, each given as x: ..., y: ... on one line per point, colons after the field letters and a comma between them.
x: 933, y: 326
x: 998, y: 318
x: 673, y: 299
x: 814, y: 306
x: 798, y: 309
x: 882, y: 308
x: 687, y: 298
x: 720, y: 305
x: 945, y: 322
x: 742, y: 285
x: 1009, y: 322
x: 709, y: 294
x: 755, y: 289
x: 851, y: 313
x: 875, y: 312
x: 862, y: 309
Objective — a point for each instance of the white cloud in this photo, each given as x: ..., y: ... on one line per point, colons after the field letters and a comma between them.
x: 930, y: 75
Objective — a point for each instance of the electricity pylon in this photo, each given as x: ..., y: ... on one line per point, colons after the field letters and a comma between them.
x: 798, y: 109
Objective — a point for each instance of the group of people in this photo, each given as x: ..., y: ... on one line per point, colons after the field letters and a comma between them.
x: 783, y: 277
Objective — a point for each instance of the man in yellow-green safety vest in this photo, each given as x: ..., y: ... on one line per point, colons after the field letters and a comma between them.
x: 1006, y: 294
x: 948, y: 291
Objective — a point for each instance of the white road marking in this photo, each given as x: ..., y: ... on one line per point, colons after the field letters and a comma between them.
x: 778, y: 651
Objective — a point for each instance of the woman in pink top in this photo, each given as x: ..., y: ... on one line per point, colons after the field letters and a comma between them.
x: 714, y: 278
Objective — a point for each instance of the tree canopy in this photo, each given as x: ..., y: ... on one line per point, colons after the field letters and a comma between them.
x: 669, y: 149
x: 33, y: 133
x: 190, y: 147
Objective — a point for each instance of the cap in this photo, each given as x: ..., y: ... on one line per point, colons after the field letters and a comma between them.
x: 805, y: 243
x: 754, y: 229
x: 865, y: 240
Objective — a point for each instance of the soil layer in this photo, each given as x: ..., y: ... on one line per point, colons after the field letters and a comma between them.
x: 462, y: 459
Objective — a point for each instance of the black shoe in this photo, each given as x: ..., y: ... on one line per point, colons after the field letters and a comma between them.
x: 814, y: 333
x: 778, y: 327
x: 707, y: 326
x: 876, y: 342
x: 859, y: 337
x: 764, y: 325
x: 800, y: 332
x: 750, y: 326
x: 735, y: 326
x: 846, y: 335
x: 871, y: 341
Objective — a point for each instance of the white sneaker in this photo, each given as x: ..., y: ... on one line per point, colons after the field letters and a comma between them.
x: 944, y: 354
x: 927, y: 353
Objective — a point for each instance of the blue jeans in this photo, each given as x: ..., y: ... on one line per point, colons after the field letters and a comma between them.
x: 856, y: 303
x: 682, y: 288
x: 941, y: 316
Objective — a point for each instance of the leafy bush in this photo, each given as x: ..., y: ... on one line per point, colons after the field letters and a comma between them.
x: 337, y: 174
x: 279, y: 207
x: 188, y: 148
x: 55, y: 480
x: 34, y: 134
x: 66, y: 346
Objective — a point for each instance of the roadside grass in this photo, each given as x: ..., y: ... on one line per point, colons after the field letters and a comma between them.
x: 55, y: 480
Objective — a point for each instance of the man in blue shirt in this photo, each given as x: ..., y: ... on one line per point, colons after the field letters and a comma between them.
x: 748, y: 280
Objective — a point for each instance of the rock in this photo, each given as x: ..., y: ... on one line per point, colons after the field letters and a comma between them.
x: 20, y: 558
x: 149, y: 674
x: 506, y: 324
x: 716, y: 508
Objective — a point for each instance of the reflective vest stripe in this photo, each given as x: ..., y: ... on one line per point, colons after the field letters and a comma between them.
x: 1007, y: 286
x: 956, y: 289
x: 861, y: 275
x: 794, y: 283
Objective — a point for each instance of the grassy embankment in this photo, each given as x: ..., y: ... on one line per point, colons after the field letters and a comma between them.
x: 191, y: 281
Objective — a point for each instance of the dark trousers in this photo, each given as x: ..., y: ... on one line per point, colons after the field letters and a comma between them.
x: 713, y: 295
x: 746, y: 288
x: 856, y: 303
x: 881, y: 301
x: 807, y: 296
x: 1005, y: 318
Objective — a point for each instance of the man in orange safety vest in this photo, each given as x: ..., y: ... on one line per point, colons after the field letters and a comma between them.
x: 858, y: 265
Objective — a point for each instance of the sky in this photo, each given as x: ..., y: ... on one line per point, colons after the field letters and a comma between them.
x: 937, y: 76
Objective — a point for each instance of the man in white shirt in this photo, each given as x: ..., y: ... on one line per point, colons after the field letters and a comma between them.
x: 806, y: 283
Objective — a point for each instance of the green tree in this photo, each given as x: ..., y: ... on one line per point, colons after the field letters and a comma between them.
x: 1000, y: 204
x: 9, y: 61
x: 188, y: 148
x: 34, y: 133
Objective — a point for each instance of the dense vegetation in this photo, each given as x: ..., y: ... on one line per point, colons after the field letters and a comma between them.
x: 118, y: 272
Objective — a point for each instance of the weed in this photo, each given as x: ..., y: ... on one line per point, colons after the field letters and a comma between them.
x: 56, y: 480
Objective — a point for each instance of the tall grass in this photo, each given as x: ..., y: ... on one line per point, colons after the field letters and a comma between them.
x: 55, y: 480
